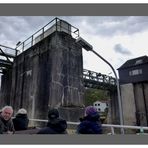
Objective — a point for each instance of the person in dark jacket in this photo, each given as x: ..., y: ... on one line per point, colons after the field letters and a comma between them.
x: 55, y: 124
x: 21, y: 120
x: 90, y: 123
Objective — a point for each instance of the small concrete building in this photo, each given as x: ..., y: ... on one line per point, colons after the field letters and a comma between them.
x: 133, y: 76
x: 101, y: 106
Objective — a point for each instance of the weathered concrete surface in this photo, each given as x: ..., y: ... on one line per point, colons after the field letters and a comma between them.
x: 128, y: 104
x: 6, y: 80
x: 141, y: 108
x: 146, y: 98
x: 49, y: 74
x: 71, y: 113
x: 114, y: 108
x: 135, y: 103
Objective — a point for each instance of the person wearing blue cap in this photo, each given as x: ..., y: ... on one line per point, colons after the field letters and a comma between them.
x: 90, y: 123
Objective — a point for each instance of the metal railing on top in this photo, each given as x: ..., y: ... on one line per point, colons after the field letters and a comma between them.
x: 54, y: 25
x: 111, y: 126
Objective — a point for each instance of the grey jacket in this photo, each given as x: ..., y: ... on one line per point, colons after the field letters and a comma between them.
x: 6, y: 126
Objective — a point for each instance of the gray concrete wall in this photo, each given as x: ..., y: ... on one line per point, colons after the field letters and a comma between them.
x: 49, y: 74
x: 135, y: 103
x: 114, y: 108
x: 140, y: 104
x: 6, y: 80
x: 146, y: 98
x: 128, y: 104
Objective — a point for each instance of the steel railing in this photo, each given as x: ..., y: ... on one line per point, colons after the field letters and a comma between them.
x: 111, y: 126
x: 53, y: 25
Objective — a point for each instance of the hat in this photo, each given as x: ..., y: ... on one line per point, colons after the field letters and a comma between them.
x: 90, y: 110
x: 53, y: 113
x: 22, y: 111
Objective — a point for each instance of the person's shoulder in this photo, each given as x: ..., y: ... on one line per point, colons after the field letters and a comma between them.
x: 10, y: 121
x: 1, y: 120
x: 85, y: 123
x: 62, y: 120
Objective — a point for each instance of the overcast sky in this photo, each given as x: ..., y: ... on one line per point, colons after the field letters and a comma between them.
x: 117, y: 38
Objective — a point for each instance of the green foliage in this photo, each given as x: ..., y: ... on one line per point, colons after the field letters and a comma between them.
x: 92, y: 95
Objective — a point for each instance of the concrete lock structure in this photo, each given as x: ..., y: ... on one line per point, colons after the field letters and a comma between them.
x: 49, y: 74
x: 47, y: 71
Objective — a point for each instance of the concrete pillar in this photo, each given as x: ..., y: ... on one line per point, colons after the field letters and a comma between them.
x: 114, y: 107
x: 140, y: 104
x: 146, y: 98
x: 50, y: 74
x: 128, y: 104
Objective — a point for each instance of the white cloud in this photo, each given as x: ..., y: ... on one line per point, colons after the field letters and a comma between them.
x: 103, y: 32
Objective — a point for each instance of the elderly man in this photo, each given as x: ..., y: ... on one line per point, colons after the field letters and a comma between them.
x: 6, y: 124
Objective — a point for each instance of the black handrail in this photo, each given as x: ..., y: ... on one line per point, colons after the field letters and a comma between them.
x: 76, y: 32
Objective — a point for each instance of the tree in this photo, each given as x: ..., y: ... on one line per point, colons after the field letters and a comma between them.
x: 92, y: 95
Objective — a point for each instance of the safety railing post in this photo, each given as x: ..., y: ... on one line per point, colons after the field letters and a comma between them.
x: 32, y: 40
x: 112, y: 130
x: 43, y: 32
x: 56, y: 23
x: 23, y: 47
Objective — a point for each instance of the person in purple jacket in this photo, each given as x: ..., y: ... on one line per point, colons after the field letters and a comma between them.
x: 90, y: 123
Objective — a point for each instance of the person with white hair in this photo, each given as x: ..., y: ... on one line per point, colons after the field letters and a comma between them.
x: 6, y: 124
x: 21, y: 120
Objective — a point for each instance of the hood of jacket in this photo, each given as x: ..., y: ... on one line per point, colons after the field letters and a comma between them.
x: 93, y: 117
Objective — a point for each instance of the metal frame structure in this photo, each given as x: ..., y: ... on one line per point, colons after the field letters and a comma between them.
x: 7, y: 55
x: 96, y: 80
x: 29, y: 42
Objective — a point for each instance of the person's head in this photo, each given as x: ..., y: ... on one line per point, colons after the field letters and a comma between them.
x: 53, y: 113
x: 90, y: 110
x: 7, y: 112
x: 21, y: 111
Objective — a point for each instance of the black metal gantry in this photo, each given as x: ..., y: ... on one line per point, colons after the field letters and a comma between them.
x: 96, y: 80
x: 91, y: 79
x: 7, y: 55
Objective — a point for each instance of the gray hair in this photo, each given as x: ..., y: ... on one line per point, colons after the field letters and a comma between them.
x: 7, y: 107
